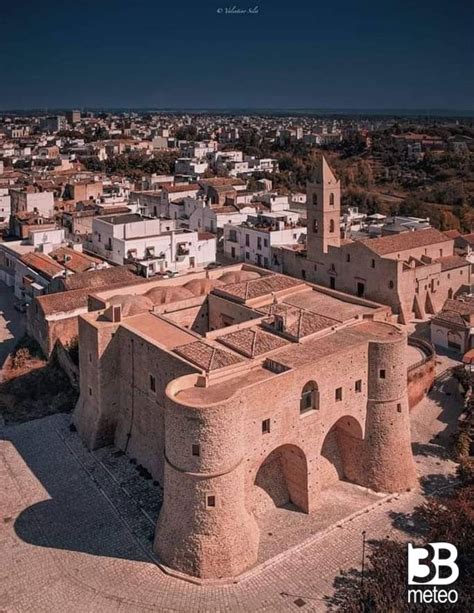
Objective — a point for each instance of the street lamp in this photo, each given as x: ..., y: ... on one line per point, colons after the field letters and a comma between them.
x: 362, y: 570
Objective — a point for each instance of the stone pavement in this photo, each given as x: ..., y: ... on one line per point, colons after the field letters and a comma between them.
x: 73, y: 538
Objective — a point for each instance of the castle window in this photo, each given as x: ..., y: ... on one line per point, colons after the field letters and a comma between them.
x: 247, y: 240
x: 331, y: 199
x: 309, y: 400
x: 338, y: 394
x: 315, y: 200
x: 315, y: 226
x: 348, y: 257
x: 196, y: 450
x: 331, y: 226
x: 373, y: 264
x: 90, y: 357
x: 90, y: 391
x: 211, y: 501
x: 399, y: 408
x: 382, y: 373
x: 440, y: 253
x: 358, y: 385
x: 265, y: 426
x: 152, y: 383
x: 390, y: 284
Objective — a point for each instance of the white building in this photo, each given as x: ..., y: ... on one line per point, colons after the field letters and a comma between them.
x: 155, y: 244
x: 30, y: 200
x: 157, y: 203
x: 252, y: 241
x: 11, y: 253
x: 199, y: 149
x: 5, y: 205
x: 190, y: 167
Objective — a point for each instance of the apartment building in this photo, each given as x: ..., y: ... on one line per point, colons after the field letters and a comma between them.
x: 156, y: 245
x: 252, y: 241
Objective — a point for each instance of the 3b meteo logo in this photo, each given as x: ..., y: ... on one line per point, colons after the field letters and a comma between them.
x: 429, y: 567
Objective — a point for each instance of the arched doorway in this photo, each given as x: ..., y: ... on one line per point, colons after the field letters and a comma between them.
x: 341, y: 453
x: 281, y: 481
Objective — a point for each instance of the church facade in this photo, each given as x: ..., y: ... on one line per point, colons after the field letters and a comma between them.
x: 414, y: 272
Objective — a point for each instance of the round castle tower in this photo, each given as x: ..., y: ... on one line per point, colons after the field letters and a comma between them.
x: 204, y: 528
x: 388, y: 463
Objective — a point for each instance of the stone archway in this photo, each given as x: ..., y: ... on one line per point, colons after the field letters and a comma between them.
x: 342, y: 453
x: 281, y: 479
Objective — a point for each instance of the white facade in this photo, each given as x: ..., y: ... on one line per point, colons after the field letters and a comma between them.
x: 190, y: 167
x: 5, y: 205
x: 252, y: 241
x: 154, y: 243
x: 199, y: 150
x: 40, y: 202
x: 46, y: 240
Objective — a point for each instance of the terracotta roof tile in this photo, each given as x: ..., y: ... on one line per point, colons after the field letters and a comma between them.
x: 97, y: 279
x: 299, y: 322
x: 43, y: 264
x: 74, y: 260
x: 252, y: 342
x: 452, y: 261
x: 206, y: 356
x: 260, y: 287
x: 405, y: 241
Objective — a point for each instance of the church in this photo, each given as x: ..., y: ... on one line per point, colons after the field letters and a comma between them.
x: 414, y: 272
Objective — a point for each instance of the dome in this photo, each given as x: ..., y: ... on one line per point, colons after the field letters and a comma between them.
x: 156, y: 294
x: 199, y: 287
x: 165, y: 295
x: 238, y: 276
x: 132, y: 305
x: 175, y: 294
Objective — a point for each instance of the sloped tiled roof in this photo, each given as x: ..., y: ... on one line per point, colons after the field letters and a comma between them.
x: 252, y: 342
x: 43, y: 264
x: 206, y: 356
x: 405, y: 241
x: 260, y: 287
x: 452, y: 261
x: 299, y: 322
x: 96, y: 279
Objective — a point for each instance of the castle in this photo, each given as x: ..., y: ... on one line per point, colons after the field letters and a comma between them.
x: 414, y: 272
x: 240, y: 390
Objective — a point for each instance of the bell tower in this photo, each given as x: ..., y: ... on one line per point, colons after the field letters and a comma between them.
x: 323, y: 204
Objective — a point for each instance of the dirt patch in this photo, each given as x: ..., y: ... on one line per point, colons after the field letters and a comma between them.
x: 33, y: 388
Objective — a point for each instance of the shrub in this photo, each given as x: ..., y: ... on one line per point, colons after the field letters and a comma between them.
x: 20, y: 358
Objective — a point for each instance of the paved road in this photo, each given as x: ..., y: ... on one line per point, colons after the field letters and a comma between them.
x: 66, y: 542
x: 12, y: 323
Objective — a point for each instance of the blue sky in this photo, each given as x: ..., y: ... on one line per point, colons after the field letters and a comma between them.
x: 183, y: 54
